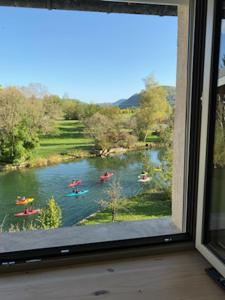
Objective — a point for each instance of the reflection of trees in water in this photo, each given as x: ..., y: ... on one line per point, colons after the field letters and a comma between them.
x: 13, y: 184
x: 219, y: 143
x: 117, y: 162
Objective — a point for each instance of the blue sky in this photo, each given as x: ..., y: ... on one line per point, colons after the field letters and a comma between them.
x: 94, y: 57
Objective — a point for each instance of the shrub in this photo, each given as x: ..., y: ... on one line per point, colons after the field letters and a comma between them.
x: 51, y: 216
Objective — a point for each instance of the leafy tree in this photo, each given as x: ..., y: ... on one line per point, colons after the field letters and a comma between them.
x: 22, y: 121
x: 52, y: 107
x: 115, y: 202
x: 36, y: 90
x: 166, y: 154
x: 108, y: 132
x: 90, y: 109
x: 72, y: 109
x: 219, y: 143
x: 11, y: 114
x: 51, y: 216
x: 154, y: 108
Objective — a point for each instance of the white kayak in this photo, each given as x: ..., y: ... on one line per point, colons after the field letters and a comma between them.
x: 144, y: 179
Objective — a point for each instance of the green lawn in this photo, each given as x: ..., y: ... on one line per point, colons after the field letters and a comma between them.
x: 153, y: 138
x: 70, y: 137
x: 142, y: 207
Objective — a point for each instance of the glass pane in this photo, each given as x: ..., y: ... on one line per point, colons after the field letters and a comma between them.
x: 216, y: 224
x: 92, y: 126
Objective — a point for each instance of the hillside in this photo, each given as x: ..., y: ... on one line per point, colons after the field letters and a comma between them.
x: 133, y: 101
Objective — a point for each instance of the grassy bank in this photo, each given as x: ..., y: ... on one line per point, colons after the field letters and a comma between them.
x: 142, y: 207
x: 70, y: 137
x: 69, y: 142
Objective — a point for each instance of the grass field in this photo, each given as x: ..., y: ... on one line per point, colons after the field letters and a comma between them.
x: 142, y: 207
x: 70, y: 137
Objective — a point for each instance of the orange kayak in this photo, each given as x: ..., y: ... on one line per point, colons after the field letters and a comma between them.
x: 25, y: 201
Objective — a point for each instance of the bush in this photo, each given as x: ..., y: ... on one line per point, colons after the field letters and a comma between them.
x: 51, y: 216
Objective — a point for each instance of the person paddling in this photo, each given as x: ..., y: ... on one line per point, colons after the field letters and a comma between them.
x: 26, y: 211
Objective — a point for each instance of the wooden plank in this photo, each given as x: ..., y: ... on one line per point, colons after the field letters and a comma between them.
x: 177, y: 276
x: 95, y: 5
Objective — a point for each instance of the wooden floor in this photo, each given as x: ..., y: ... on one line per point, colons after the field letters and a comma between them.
x: 174, y: 276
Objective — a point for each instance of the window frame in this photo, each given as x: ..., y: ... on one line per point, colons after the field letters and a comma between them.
x: 214, y: 14
x: 196, y: 50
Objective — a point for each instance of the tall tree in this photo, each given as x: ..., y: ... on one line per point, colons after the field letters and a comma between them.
x: 108, y: 132
x: 115, y: 202
x: 11, y: 114
x: 154, y: 108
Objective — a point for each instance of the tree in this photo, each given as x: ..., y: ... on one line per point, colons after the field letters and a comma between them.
x: 72, y: 109
x: 154, y: 108
x: 51, y: 216
x: 115, y: 202
x: 52, y: 107
x: 90, y: 109
x: 108, y: 132
x: 219, y: 143
x: 166, y: 154
x: 11, y: 114
x: 36, y: 90
x: 22, y: 121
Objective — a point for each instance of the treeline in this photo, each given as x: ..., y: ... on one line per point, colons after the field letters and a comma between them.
x: 110, y: 127
x: 23, y: 120
x: 29, y: 113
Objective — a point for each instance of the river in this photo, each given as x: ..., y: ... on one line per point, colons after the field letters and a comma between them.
x: 43, y: 183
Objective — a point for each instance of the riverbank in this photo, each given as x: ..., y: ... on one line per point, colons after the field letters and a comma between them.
x: 69, y: 143
x: 145, y: 206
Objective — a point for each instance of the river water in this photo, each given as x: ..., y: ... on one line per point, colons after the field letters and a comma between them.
x: 43, y: 183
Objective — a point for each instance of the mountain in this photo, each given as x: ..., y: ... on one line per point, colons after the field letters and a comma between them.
x: 133, y: 101
x: 119, y: 102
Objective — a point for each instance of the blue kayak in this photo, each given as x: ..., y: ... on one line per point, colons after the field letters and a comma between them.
x: 77, y: 194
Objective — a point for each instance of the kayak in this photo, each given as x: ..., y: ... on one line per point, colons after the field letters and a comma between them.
x: 25, y: 201
x: 29, y: 213
x: 80, y: 193
x: 144, y: 179
x: 142, y: 175
x: 106, y: 177
x: 76, y: 183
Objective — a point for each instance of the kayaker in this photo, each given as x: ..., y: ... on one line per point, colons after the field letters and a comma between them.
x: 75, y: 191
x: 106, y: 174
x: 26, y: 211
x: 23, y: 198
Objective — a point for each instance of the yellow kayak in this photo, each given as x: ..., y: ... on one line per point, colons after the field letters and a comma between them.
x: 25, y: 201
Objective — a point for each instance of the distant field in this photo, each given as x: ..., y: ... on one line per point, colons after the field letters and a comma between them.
x: 70, y: 136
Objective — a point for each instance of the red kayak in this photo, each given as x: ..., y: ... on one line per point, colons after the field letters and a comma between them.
x: 76, y: 183
x: 106, y: 177
x: 29, y: 213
